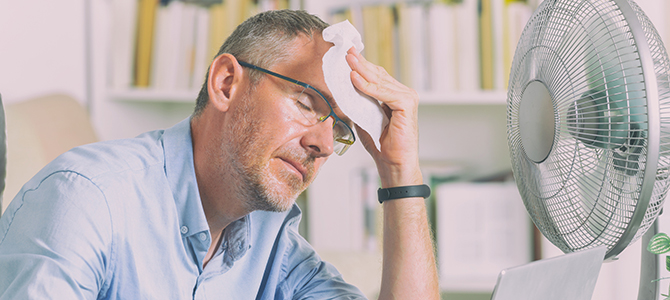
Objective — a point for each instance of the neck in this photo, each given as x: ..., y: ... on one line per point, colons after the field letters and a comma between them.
x: 217, y: 193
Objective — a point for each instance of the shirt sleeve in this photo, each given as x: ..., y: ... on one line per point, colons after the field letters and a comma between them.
x: 55, y: 240
x: 309, y: 277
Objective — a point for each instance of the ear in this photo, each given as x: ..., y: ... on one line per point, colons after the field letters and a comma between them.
x: 224, y: 81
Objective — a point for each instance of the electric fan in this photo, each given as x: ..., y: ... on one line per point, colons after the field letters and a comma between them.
x: 588, y: 123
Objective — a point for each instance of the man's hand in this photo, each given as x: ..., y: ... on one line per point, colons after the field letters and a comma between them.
x: 409, y: 269
x: 398, y: 159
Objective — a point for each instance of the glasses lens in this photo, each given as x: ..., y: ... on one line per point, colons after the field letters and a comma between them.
x: 343, y: 137
x: 312, y: 106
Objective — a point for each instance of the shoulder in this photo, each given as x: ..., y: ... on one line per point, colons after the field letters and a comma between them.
x: 111, y: 156
x: 79, y: 179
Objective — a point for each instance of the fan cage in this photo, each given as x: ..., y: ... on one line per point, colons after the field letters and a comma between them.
x: 590, y: 190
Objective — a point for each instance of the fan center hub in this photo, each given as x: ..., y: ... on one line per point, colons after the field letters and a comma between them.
x: 537, y: 123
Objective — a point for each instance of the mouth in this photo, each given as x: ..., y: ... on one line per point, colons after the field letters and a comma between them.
x: 296, y: 166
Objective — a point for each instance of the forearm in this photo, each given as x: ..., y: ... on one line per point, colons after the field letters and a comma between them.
x: 409, y: 268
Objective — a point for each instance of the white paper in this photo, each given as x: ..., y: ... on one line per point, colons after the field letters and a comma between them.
x: 360, y: 108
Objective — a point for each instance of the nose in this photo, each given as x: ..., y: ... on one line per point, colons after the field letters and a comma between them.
x: 318, y: 139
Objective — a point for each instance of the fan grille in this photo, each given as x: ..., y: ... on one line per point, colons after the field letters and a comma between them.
x: 590, y: 190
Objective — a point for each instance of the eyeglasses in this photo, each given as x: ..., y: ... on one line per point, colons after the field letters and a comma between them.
x: 314, y: 107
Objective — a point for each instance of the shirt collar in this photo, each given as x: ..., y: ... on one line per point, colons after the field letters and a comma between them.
x: 180, y: 174
x: 236, y: 239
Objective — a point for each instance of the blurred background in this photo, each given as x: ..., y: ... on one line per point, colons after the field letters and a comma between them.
x: 77, y: 71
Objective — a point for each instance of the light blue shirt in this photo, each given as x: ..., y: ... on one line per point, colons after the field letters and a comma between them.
x: 123, y: 220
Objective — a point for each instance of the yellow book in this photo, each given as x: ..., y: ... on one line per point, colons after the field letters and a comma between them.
x: 218, y: 30
x: 237, y: 11
x: 515, y: 16
x: 249, y: 9
x: 486, y: 44
x: 406, y: 40
x: 145, y: 31
x: 371, y: 34
x: 386, y: 39
x: 282, y: 4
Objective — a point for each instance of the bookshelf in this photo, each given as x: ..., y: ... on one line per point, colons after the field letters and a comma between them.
x: 131, y: 78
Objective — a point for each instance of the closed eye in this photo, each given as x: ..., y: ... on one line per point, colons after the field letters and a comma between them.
x: 300, y: 102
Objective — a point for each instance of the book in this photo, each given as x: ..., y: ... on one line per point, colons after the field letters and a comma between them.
x: 124, y: 22
x: 467, y: 46
x: 497, y: 22
x: 167, y: 41
x: 441, y: 48
x: 371, y: 34
x: 218, y: 28
x: 486, y: 44
x: 237, y: 12
x: 515, y: 16
x: 186, y: 49
x: 145, y: 27
x: 412, y: 45
x: 387, y: 39
x: 201, y: 57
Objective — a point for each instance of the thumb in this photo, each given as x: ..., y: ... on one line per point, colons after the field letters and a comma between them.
x: 367, y: 141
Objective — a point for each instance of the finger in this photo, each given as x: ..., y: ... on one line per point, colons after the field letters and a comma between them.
x: 369, y: 71
x: 395, y: 95
x: 376, y: 82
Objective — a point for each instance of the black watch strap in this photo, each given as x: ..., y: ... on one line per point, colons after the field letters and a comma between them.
x: 403, y: 192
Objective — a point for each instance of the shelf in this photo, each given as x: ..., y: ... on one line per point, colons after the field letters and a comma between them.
x: 153, y: 95
x: 427, y: 98
x: 463, y: 98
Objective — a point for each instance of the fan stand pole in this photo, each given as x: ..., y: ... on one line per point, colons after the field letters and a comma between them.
x: 649, y: 270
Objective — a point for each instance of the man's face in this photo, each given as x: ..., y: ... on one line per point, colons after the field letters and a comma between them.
x: 274, y: 153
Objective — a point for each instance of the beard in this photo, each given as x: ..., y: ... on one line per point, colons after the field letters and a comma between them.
x: 255, y: 180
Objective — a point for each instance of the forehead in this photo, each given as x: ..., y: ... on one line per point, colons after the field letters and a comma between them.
x: 304, y: 62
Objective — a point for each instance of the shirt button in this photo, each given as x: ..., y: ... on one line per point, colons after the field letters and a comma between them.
x: 184, y: 230
x: 202, y: 236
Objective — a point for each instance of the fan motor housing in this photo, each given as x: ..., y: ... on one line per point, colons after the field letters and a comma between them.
x: 537, y: 121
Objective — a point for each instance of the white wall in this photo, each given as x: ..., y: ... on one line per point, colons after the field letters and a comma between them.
x: 42, y: 49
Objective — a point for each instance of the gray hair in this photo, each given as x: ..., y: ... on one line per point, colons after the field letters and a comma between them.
x: 262, y: 40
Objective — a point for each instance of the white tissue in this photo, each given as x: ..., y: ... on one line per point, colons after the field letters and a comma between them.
x: 360, y: 108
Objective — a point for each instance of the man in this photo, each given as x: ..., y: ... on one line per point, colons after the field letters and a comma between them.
x: 205, y: 209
